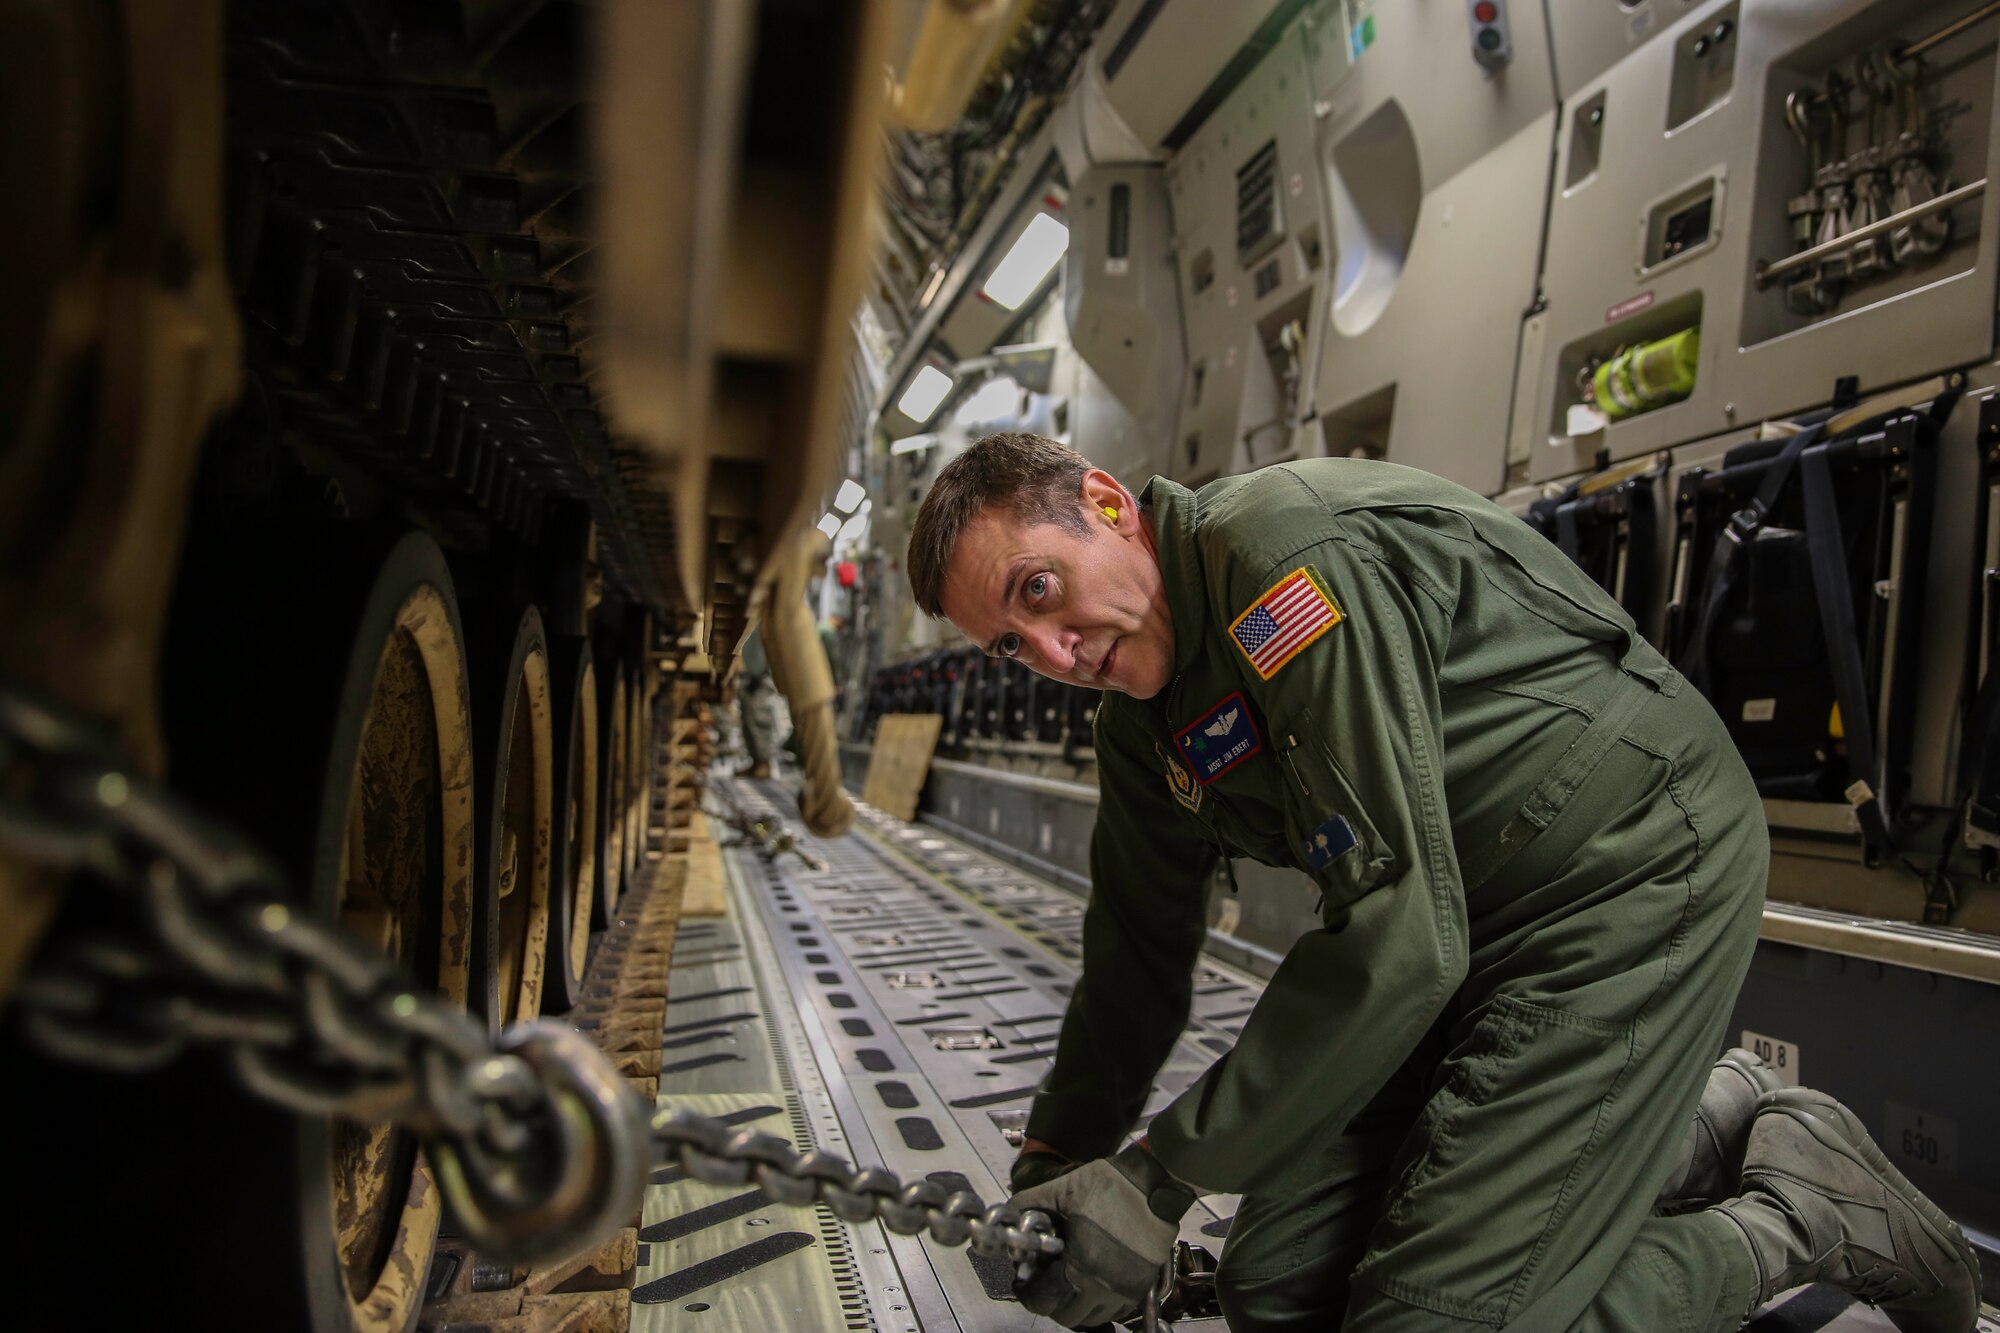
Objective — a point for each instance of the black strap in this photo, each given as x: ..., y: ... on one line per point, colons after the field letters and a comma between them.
x: 1567, y: 540
x: 1642, y: 527
x: 1979, y: 759
x: 1835, y: 592
x: 1730, y: 547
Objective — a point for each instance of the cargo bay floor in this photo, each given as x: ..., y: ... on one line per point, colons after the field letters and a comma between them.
x: 897, y: 1005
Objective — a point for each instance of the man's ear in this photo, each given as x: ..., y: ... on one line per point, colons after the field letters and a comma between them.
x: 1105, y: 501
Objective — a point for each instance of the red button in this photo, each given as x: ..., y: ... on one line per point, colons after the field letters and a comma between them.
x: 1486, y: 11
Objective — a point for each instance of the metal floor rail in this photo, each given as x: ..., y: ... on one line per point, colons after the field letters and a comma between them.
x: 898, y: 1006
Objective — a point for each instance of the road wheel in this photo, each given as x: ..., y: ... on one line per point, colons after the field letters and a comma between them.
x: 516, y: 750
x: 614, y: 724
x: 573, y: 870
x: 392, y: 860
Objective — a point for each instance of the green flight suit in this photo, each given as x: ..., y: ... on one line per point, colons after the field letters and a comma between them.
x: 1542, y: 866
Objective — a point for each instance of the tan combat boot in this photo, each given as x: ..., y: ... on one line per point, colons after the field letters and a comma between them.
x: 1711, y: 1155
x: 1820, y: 1203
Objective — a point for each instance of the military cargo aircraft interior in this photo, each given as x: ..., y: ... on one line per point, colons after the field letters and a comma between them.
x: 893, y: 666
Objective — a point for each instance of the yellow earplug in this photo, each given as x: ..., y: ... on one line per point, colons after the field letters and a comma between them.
x: 1111, y: 513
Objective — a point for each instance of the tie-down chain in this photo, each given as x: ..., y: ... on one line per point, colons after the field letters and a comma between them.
x: 540, y: 1148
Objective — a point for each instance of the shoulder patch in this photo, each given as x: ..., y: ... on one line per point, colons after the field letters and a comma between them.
x: 1220, y: 739
x: 1328, y: 843
x: 1281, y: 624
x: 1180, y: 782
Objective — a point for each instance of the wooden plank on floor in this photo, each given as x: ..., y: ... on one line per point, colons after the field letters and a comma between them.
x: 899, y: 761
x: 703, y: 896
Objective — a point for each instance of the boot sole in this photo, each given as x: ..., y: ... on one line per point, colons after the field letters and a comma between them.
x: 1854, y: 1137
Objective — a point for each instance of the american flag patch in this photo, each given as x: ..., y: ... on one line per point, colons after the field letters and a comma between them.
x: 1280, y: 624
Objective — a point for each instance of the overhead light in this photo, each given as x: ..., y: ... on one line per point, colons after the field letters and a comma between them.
x: 911, y: 444
x: 1021, y: 272
x: 920, y: 401
x: 999, y: 399
x: 850, y: 531
x: 829, y: 524
x: 849, y: 496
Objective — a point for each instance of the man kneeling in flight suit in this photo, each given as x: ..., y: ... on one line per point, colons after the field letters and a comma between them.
x: 1471, y: 1098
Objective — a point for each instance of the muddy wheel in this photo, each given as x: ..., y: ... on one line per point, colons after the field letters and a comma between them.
x: 514, y: 742
x: 638, y: 772
x: 614, y: 720
x: 392, y: 861
x: 573, y: 869
x: 315, y: 695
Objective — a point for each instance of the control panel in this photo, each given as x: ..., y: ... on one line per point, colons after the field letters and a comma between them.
x: 1492, y: 43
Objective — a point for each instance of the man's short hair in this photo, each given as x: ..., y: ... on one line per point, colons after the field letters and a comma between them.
x: 1031, y: 476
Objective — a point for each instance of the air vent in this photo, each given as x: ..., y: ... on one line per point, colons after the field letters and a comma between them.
x: 1259, y: 221
x: 1267, y: 279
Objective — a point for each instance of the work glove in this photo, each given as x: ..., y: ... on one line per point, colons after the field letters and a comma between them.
x: 1038, y: 1164
x: 1119, y: 1217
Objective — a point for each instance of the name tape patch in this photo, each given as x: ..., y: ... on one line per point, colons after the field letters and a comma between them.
x: 1283, y: 622
x: 1219, y: 739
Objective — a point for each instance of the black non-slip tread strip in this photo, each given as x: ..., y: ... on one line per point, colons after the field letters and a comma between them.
x: 979, y: 994
x: 915, y: 917
x: 699, y: 1062
x: 717, y: 1021
x: 925, y: 960
x: 687, y: 1281
x: 676, y: 1043
x: 708, y: 955
x: 701, y: 1219
x: 921, y: 1019
x: 993, y: 1098
x: 1022, y: 1057
x: 708, y: 995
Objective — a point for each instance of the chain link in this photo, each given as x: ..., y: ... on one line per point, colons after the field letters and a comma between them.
x: 541, y: 1149
x: 714, y: 1152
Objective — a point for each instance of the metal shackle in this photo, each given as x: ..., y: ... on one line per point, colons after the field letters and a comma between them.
x: 582, y: 1172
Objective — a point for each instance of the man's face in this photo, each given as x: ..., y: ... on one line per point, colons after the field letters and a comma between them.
x: 1089, y: 611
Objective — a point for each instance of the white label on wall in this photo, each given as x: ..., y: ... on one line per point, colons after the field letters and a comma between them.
x: 1230, y: 917
x: 1759, y: 710
x: 1782, y: 1056
x: 1918, y: 1138
x: 1583, y: 419
x: 993, y: 819
x: 1048, y: 837
x: 1117, y: 268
